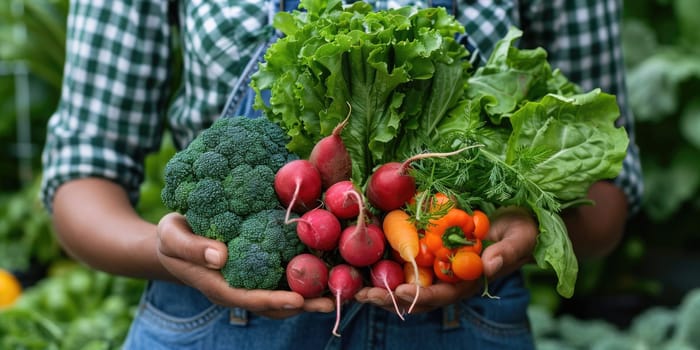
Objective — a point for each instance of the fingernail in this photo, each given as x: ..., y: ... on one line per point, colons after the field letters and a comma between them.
x: 288, y: 307
x: 212, y: 257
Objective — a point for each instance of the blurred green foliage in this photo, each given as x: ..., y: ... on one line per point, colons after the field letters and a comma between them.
x: 662, y: 46
x: 74, y: 308
x: 32, y: 33
x: 657, y: 327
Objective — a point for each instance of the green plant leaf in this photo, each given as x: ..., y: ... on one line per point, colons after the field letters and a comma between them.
x: 554, y: 250
x: 576, y: 140
x: 686, y: 12
x: 669, y: 186
x: 690, y: 123
x: 654, y: 83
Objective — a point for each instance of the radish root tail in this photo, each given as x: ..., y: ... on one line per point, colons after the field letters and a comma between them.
x: 292, y: 202
x: 415, y: 299
x: 393, y: 300
x: 337, y: 315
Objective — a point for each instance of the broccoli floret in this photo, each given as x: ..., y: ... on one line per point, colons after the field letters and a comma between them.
x: 224, y: 226
x: 270, y: 151
x: 261, y: 250
x: 268, y: 229
x: 211, y: 164
x: 221, y: 227
x: 183, y: 191
x: 249, y: 189
x: 208, y: 197
x: 250, y: 266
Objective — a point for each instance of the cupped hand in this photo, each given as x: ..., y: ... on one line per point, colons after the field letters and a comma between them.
x: 513, y: 234
x: 196, y: 261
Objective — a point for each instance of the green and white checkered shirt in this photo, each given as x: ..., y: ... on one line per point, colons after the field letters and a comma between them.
x: 116, y: 98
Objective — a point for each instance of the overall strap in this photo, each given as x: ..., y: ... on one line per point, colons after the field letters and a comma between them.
x: 288, y: 5
x: 449, y: 5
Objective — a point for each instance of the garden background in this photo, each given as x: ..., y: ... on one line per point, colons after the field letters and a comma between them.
x: 645, y: 295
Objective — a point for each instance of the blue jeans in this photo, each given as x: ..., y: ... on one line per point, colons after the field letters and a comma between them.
x: 172, y: 316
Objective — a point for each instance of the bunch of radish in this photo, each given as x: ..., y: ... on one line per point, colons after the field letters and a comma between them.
x: 348, y: 246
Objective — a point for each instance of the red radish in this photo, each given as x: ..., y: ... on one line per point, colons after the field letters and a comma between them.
x: 344, y: 281
x: 342, y: 200
x: 318, y: 229
x: 391, y: 186
x: 388, y: 274
x: 298, y: 186
x: 331, y: 158
x: 307, y: 275
x: 362, y: 245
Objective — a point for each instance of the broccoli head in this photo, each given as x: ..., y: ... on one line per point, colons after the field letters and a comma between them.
x: 225, y: 174
x: 257, y: 256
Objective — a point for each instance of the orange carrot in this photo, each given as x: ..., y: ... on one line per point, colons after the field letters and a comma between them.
x: 402, y: 235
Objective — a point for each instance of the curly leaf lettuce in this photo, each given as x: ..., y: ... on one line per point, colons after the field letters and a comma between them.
x: 400, y: 70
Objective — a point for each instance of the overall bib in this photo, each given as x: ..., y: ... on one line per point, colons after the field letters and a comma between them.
x: 172, y: 316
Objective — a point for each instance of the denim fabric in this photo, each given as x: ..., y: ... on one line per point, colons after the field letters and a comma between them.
x: 172, y: 316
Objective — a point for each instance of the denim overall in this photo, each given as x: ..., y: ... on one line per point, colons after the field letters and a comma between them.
x: 172, y: 316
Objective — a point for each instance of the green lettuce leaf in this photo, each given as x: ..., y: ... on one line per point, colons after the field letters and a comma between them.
x: 399, y: 72
x: 576, y: 138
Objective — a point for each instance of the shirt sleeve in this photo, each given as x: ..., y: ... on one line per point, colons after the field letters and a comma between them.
x: 582, y: 39
x: 114, y: 94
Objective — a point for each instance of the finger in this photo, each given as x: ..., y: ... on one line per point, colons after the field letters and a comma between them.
x: 255, y: 300
x: 375, y: 295
x: 384, y: 299
x: 508, y: 254
x: 437, y: 295
x: 319, y: 305
x: 177, y: 240
x: 514, y: 233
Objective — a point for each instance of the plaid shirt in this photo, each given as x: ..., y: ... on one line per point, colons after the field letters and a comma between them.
x: 116, y: 99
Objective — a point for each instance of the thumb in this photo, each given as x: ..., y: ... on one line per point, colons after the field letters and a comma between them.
x: 176, y: 240
x: 515, y: 237
x: 492, y: 265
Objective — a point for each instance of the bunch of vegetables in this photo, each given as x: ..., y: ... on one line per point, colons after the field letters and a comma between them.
x: 381, y: 146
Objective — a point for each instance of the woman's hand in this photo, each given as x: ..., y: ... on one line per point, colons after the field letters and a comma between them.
x: 513, y: 233
x: 196, y: 261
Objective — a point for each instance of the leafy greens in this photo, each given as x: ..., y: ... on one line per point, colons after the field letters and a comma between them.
x: 411, y: 88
